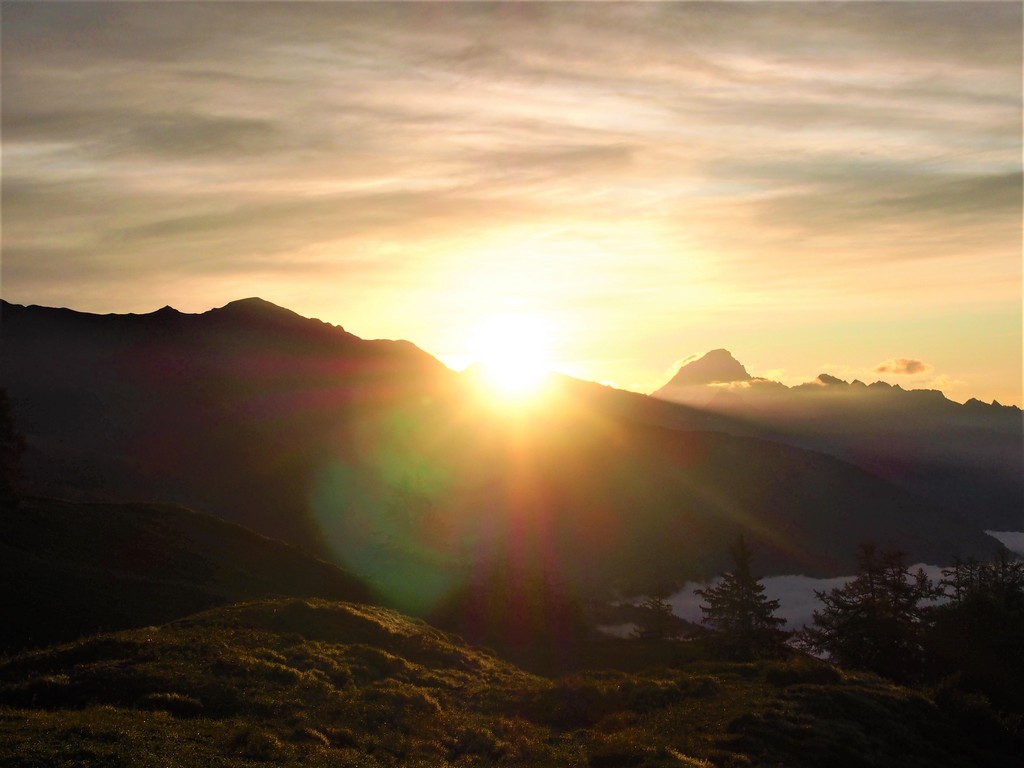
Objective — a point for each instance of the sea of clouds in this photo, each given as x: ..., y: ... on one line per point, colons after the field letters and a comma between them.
x: 796, y: 594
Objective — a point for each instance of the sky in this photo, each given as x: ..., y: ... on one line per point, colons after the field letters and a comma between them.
x: 817, y: 187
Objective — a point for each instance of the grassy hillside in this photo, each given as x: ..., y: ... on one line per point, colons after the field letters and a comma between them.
x: 312, y: 682
x: 70, y: 569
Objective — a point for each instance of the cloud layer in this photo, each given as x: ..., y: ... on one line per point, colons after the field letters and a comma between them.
x: 796, y: 595
x: 379, y: 164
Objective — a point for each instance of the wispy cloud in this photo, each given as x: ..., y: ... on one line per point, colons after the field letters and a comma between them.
x: 706, y: 156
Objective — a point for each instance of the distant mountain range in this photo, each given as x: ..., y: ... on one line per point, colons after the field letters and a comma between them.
x: 374, y: 455
x: 968, y: 457
x: 723, y: 373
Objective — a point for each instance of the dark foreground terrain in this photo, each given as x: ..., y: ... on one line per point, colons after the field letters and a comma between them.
x: 304, y: 681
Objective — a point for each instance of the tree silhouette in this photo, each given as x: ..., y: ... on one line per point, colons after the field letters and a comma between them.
x: 738, y: 609
x: 978, y: 634
x: 876, y: 621
x: 657, y: 622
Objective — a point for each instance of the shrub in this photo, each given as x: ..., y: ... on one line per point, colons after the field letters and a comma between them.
x: 472, y: 741
x: 573, y: 702
x: 649, y: 695
x: 392, y: 703
x: 303, y: 734
x: 627, y: 755
x: 341, y: 738
x: 42, y: 691
x: 617, y: 721
x: 256, y: 744
x: 970, y: 710
x: 176, y: 704
x: 800, y: 671
x: 704, y: 687
x: 618, y: 757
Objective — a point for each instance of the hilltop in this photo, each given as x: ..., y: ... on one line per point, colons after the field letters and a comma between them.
x: 323, y: 683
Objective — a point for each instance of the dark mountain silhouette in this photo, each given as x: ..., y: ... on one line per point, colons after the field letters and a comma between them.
x: 218, y: 411
x: 376, y: 456
x: 71, y: 569
x: 965, y: 457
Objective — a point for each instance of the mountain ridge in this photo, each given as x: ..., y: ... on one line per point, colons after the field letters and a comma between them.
x: 117, y: 406
x: 719, y: 366
x: 376, y: 456
x: 967, y: 456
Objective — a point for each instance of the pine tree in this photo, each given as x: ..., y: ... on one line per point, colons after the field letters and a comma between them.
x: 876, y: 621
x: 977, y: 635
x: 658, y: 621
x: 738, y: 609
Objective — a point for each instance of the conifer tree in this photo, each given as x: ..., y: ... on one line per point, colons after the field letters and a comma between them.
x: 738, y: 609
x: 658, y: 621
x: 876, y: 621
x: 976, y: 636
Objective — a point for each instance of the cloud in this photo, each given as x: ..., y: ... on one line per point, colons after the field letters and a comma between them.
x: 716, y: 157
x: 946, y: 383
x: 153, y: 133
x: 903, y: 366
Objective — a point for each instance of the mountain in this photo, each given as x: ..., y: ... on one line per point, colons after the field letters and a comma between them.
x: 71, y: 569
x: 314, y: 682
x: 218, y: 411
x: 717, y: 366
x: 374, y: 456
x: 965, y: 457
x: 498, y: 520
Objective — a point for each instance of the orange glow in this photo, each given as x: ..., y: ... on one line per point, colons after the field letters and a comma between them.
x: 512, y: 350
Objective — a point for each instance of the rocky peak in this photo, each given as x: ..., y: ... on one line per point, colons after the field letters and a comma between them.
x: 717, y: 366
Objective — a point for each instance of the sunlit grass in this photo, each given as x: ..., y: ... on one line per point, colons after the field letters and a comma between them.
x: 312, y: 682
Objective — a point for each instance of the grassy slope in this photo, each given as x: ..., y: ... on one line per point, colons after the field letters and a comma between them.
x: 293, y: 681
x: 70, y: 569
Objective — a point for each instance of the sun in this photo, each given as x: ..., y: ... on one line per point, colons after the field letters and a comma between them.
x: 512, y: 352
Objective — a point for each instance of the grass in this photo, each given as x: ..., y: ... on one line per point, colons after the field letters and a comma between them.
x: 313, y: 682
